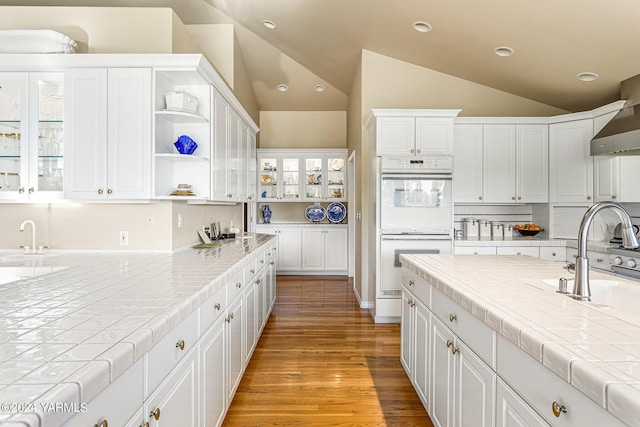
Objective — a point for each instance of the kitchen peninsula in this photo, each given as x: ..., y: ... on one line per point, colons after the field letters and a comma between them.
x: 488, y: 337
x: 118, y: 338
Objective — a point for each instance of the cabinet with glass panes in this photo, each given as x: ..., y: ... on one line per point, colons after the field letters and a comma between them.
x: 302, y: 175
x: 31, y: 136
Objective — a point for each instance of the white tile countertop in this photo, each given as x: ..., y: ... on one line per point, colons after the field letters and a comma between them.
x: 593, y: 347
x: 66, y: 335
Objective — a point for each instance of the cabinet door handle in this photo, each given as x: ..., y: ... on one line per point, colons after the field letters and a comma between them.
x: 513, y: 197
x: 480, y: 198
x: 411, y: 282
x: 588, y: 197
x: 253, y: 270
x: 613, y: 197
x: 144, y: 425
x: 100, y: 191
x: 454, y: 350
x: 258, y: 281
x: 519, y: 198
x: 238, y: 285
x: 109, y: 191
x: 413, y: 151
x: 558, y: 409
x: 452, y: 317
x: 155, y: 414
x: 31, y: 190
x: 103, y: 423
x: 419, y: 151
x: 271, y: 263
x: 217, y: 306
x: 449, y: 343
x: 180, y: 345
x: 599, y: 260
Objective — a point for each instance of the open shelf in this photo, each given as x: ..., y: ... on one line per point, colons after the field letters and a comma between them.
x: 177, y: 116
x: 176, y: 157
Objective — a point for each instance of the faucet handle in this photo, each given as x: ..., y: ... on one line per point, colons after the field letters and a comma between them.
x: 571, y: 267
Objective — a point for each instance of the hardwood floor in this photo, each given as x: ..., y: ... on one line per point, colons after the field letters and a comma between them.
x: 321, y: 361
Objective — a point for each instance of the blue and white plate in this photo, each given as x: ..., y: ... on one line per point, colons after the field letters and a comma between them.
x: 336, y: 212
x: 315, y: 213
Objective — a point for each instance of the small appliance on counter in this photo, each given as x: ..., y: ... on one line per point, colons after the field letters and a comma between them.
x: 617, y: 234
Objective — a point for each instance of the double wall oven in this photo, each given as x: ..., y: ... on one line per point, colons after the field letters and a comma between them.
x: 415, y: 213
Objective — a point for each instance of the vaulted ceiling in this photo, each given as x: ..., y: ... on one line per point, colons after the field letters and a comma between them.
x: 319, y: 42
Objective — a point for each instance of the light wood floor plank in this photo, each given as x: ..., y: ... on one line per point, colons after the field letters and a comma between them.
x: 321, y: 361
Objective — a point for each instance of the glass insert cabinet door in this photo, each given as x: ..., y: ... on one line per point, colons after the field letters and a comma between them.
x: 279, y: 178
x: 31, y: 135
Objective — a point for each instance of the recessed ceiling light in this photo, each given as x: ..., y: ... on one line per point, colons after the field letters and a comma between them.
x: 269, y: 24
x: 283, y: 87
x: 319, y: 88
x: 422, y: 27
x: 587, y: 76
x: 503, y: 51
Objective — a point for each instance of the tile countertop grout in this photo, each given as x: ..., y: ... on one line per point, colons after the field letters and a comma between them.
x: 594, y: 349
x: 93, y: 320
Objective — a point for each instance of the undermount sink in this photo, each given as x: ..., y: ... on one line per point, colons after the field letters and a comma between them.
x: 611, y: 293
x: 11, y: 274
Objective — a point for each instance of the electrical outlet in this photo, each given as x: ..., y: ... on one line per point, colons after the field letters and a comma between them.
x: 149, y: 220
x: 180, y: 220
x: 124, y: 238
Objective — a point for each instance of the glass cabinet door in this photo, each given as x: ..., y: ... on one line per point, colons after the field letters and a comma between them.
x: 268, y: 178
x: 47, y: 92
x: 313, y: 178
x: 336, y: 178
x: 291, y: 178
x: 13, y: 133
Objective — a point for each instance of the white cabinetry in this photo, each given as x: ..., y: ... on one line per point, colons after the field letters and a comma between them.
x: 212, y: 380
x: 108, y: 135
x: 324, y: 249
x: 512, y: 411
x: 414, y: 349
x: 289, y: 244
x: 501, y: 163
x: 570, y: 163
x: 414, y: 132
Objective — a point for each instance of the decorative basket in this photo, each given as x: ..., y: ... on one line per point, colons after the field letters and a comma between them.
x: 181, y: 101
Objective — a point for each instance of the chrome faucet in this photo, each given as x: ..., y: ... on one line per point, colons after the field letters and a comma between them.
x: 33, y: 249
x: 581, y: 289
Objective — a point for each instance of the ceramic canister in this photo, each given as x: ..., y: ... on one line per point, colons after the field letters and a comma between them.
x: 470, y: 229
x: 496, y: 230
x: 507, y: 231
x: 485, y: 228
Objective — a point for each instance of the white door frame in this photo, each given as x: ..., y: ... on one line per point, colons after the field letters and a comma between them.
x: 351, y: 218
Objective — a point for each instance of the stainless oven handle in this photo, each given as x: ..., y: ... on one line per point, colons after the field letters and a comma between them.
x: 441, y: 176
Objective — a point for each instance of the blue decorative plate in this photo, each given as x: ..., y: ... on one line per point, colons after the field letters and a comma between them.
x: 336, y: 212
x: 315, y: 213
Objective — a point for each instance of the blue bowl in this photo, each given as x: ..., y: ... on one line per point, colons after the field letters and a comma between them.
x: 185, y: 145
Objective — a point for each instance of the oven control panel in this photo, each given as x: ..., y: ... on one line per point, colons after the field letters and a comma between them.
x: 625, y: 265
x: 418, y: 164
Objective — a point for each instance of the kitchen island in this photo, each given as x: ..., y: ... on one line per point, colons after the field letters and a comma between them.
x: 542, y: 357
x: 128, y: 321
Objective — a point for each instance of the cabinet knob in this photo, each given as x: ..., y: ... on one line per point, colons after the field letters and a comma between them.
x: 271, y: 263
x: 480, y: 198
x: 413, y: 151
x: 229, y: 195
x: 180, y: 345
x: 103, y: 423
x: 411, y: 282
x: 144, y: 425
x: 449, y: 343
x: 588, y: 197
x: 238, y: 285
x: 558, y: 409
x: 519, y: 198
x: 217, y: 306
x: 553, y: 254
x: 31, y: 190
x: 109, y: 191
x: 419, y: 151
x: 613, y: 197
x: 21, y: 190
x: 258, y: 281
x: 513, y: 197
x: 452, y: 317
x: 100, y: 191
x: 253, y: 270
x: 454, y: 350
x: 599, y: 259
x: 155, y: 414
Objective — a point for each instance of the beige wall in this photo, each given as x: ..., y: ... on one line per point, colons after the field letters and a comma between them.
x: 303, y: 129
x: 97, y: 226
x: 217, y: 43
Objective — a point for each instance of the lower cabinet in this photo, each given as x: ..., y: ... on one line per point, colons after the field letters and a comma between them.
x: 190, y: 376
x: 512, y: 411
x: 414, y: 349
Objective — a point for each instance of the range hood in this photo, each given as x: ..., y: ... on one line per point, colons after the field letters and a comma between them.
x: 621, y: 136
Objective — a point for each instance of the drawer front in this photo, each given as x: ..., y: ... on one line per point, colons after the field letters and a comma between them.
x: 417, y: 286
x: 166, y: 354
x: 234, y: 287
x: 213, y: 308
x: 540, y: 388
x: 251, y: 270
x: 553, y: 253
x: 477, y: 250
x: 600, y: 261
x: 519, y: 250
x: 117, y: 403
x: 475, y: 333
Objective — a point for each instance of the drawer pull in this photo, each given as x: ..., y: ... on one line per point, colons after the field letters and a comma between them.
x: 261, y: 261
x: 454, y: 350
x: 252, y: 271
x: 104, y: 423
x: 599, y: 260
x: 271, y: 263
x: 155, y: 414
x: 411, y: 282
x: 258, y: 281
x: 217, y: 306
x: 452, y: 317
x: 558, y: 409
x: 449, y: 343
x: 144, y: 425
x: 238, y: 285
x: 180, y: 344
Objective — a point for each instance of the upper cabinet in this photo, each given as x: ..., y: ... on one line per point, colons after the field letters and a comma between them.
x: 303, y: 175
x: 108, y: 134
x: 570, y: 164
x: 31, y: 136
x: 414, y: 132
x: 501, y: 163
